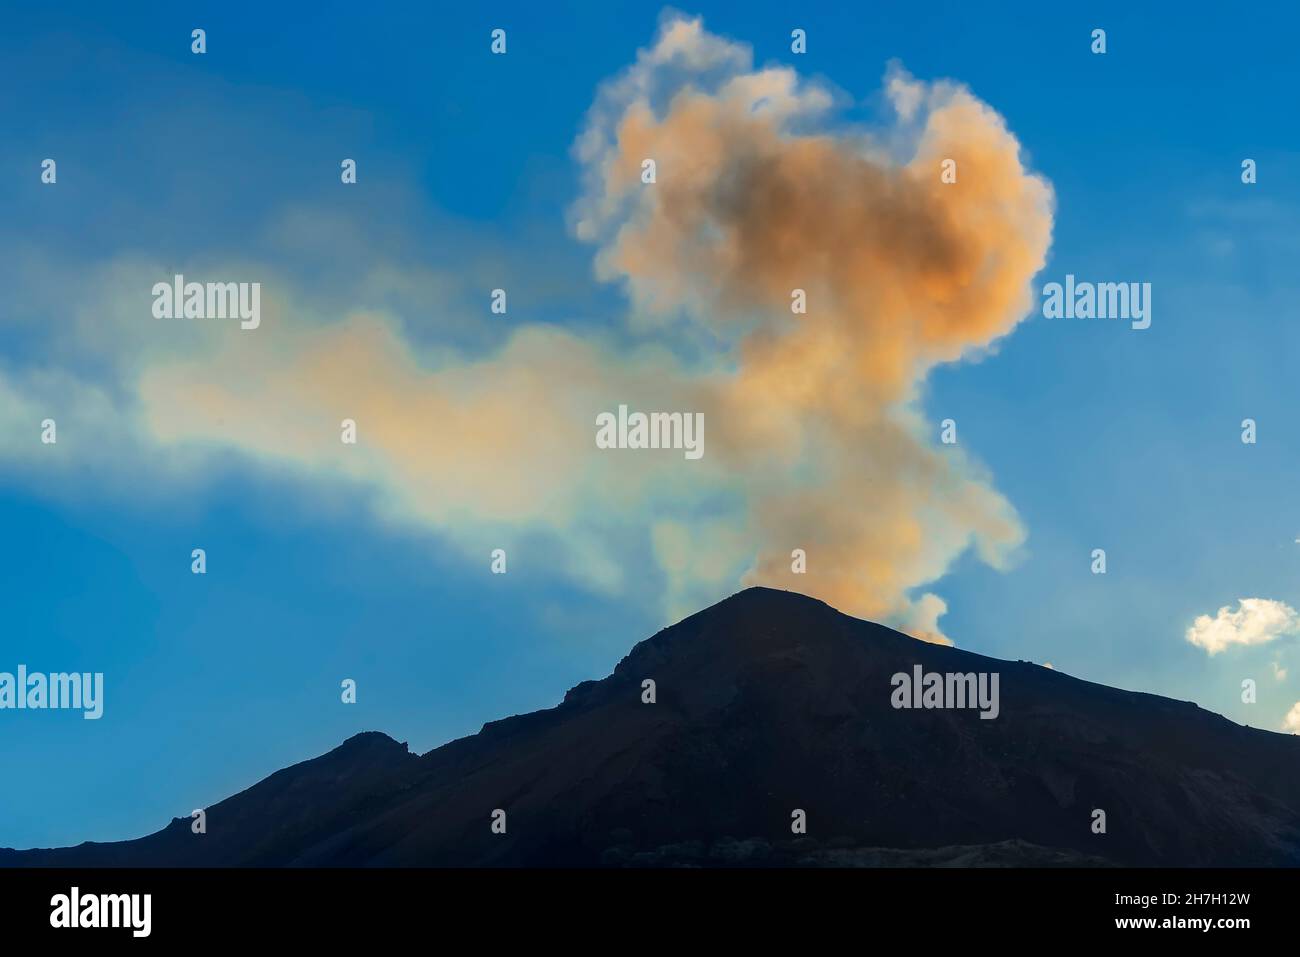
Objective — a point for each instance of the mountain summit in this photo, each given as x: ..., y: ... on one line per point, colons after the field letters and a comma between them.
x: 768, y: 704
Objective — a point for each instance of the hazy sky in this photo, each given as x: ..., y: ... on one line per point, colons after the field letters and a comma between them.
x: 328, y: 562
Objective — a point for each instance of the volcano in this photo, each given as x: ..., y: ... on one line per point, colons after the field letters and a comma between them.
x: 765, y: 731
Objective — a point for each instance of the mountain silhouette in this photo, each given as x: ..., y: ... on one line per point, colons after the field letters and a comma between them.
x: 767, y: 703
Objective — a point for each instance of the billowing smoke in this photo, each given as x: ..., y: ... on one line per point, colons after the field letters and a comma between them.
x: 757, y: 194
x: 814, y: 438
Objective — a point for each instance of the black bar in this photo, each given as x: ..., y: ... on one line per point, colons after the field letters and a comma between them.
x: 330, y: 906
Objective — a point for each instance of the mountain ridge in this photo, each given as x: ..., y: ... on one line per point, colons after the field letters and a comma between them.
x: 766, y: 703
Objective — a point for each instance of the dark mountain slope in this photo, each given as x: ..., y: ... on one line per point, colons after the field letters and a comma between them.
x: 767, y: 702
x: 264, y: 823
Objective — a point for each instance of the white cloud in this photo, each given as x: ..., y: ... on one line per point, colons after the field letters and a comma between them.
x: 1291, y: 722
x: 1256, y: 621
x: 921, y: 620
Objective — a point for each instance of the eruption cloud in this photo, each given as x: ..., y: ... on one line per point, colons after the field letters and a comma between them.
x: 815, y: 439
x: 756, y: 195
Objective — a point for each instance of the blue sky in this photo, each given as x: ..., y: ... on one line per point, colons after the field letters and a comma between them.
x: 1097, y: 435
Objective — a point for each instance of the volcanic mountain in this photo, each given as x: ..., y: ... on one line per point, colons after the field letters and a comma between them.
x: 766, y: 704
